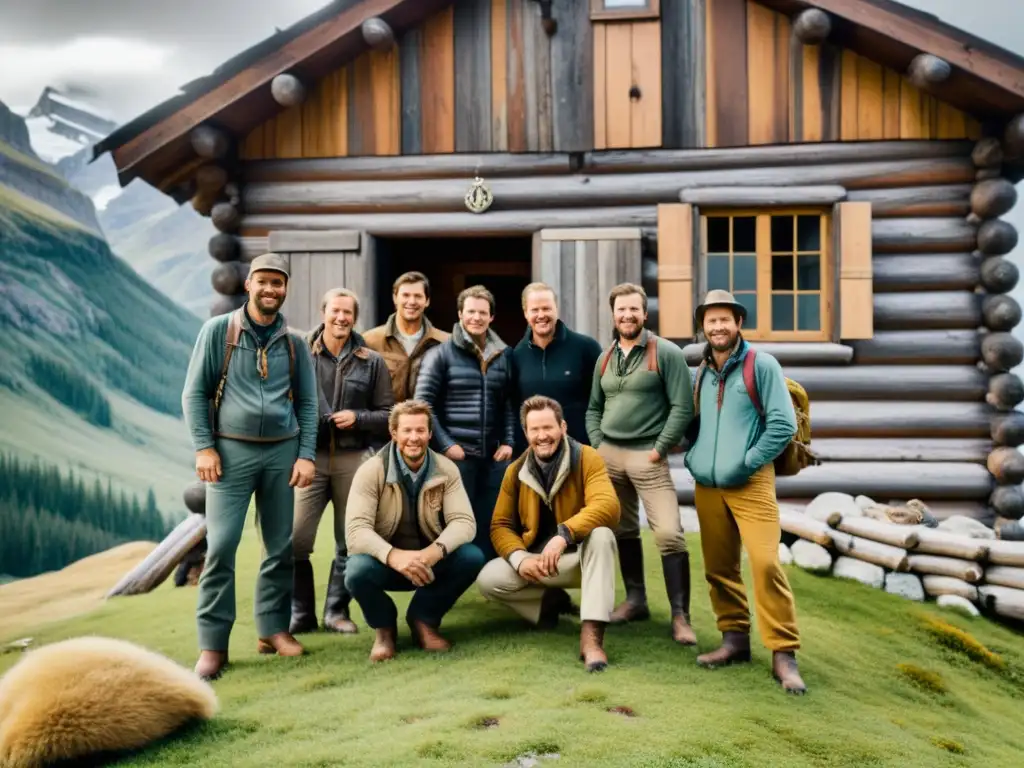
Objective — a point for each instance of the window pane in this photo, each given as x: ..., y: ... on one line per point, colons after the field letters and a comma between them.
x: 718, y: 273
x: 809, y: 312
x: 744, y: 234
x: 782, y: 312
x: 744, y: 273
x: 782, y: 273
x: 718, y: 234
x: 782, y: 233
x: 808, y: 273
x: 808, y: 233
x: 749, y: 300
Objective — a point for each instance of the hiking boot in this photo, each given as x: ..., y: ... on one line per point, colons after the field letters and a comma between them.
x: 283, y: 644
x: 785, y: 671
x: 336, y: 604
x: 592, y: 646
x: 211, y: 665
x: 303, y: 599
x: 555, y: 603
x: 383, y: 645
x: 631, y: 563
x: 427, y: 638
x: 676, y: 569
x: 735, y: 649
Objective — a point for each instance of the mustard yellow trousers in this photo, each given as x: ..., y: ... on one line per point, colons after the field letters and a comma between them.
x: 747, y: 515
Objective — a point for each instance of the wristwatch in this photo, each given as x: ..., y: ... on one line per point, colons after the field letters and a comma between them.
x: 565, y: 533
x: 443, y: 548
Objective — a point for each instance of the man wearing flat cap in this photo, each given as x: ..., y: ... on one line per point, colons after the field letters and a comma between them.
x: 744, y: 420
x: 250, y: 403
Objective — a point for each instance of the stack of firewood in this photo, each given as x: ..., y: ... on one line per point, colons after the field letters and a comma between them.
x: 861, y: 540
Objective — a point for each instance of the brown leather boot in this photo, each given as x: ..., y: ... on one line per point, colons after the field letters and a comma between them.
x: 785, y: 671
x: 283, y: 644
x: 631, y: 563
x: 676, y: 569
x: 735, y: 649
x: 211, y: 664
x: 336, y: 618
x: 303, y: 599
x: 427, y: 638
x: 592, y: 646
x: 383, y: 645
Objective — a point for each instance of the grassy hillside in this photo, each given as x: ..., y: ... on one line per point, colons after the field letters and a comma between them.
x: 506, y: 690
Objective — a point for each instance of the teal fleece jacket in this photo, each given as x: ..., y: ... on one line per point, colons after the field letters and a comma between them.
x: 733, y: 441
x: 251, y: 409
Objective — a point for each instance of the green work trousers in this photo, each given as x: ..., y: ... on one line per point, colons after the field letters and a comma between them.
x: 247, y: 468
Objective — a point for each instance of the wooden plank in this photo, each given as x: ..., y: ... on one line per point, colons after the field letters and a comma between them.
x: 761, y: 79
x: 339, y: 115
x: 600, y: 86
x: 630, y: 258
x: 361, y: 277
x: 314, y: 241
x: 589, y: 305
x: 567, y: 283
x: 288, y: 138
x: 761, y: 196
x: 361, y: 111
x: 830, y: 74
x: 848, y: 128
x: 891, y: 104
x: 645, y: 116
x: 297, y: 307
x: 607, y: 274
x: 572, y: 80
x: 517, y: 68
x: 618, y: 79
x: 387, y: 105
x: 683, y: 77
x: 910, y: 112
x: 252, y: 145
x: 437, y: 83
x: 972, y: 450
x: 951, y: 122
x: 780, y: 110
x: 472, y: 33
x: 312, y: 123
x: 710, y: 76
x: 499, y: 75
x: 728, y: 49
x: 869, y: 100
x: 592, y: 233
x: 539, y: 133
x: 676, y: 258
x: 855, y: 275
x: 410, y: 54
x: 548, y: 270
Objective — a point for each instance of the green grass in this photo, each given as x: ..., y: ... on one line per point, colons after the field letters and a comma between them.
x: 27, y: 160
x: 332, y: 707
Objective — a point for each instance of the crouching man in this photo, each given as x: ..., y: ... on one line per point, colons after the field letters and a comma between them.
x: 553, y: 527
x: 409, y: 526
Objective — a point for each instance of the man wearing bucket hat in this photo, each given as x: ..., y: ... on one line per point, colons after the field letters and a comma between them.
x: 731, y: 457
x: 250, y: 403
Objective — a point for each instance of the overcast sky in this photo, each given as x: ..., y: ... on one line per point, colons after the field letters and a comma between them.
x: 133, y: 54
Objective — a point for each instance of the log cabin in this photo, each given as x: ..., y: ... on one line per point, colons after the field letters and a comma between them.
x: 839, y: 165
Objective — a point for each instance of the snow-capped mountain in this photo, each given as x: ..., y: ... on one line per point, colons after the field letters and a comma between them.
x: 59, y: 126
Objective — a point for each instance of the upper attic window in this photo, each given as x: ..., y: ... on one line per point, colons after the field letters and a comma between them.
x: 624, y: 9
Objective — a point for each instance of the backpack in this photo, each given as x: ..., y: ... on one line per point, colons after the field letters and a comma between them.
x: 234, y: 334
x: 652, y: 355
x: 797, y: 454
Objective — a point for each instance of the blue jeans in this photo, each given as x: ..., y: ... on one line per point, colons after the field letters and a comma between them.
x: 368, y: 580
x: 482, y: 478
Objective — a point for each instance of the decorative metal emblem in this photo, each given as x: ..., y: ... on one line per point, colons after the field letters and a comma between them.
x: 479, y: 197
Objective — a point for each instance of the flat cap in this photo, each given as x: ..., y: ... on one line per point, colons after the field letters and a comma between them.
x: 271, y: 262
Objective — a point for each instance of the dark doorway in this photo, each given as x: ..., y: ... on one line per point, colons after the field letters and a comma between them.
x: 502, y: 265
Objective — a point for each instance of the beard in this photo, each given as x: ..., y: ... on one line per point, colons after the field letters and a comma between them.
x: 632, y: 332
x: 721, y: 343
x: 267, y: 303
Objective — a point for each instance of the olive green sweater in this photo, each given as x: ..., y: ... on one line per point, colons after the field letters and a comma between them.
x: 633, y: 407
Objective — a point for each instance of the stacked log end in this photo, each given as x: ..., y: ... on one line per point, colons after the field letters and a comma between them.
x: 993, y: 196
x: 959, y: 560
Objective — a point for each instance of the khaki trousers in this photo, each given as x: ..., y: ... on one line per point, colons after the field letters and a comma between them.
x: 748, y: 515
x: 634, y: 476
x: 332, y: 482
x: 591, y: 568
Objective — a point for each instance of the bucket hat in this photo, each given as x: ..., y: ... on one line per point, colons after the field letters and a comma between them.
x: 717, y: 298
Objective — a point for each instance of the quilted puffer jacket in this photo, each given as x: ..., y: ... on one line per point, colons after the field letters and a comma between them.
x: 470, y: 391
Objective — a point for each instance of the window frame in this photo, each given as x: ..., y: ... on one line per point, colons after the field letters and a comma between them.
x: 828, y: 277
x: 598, y: 12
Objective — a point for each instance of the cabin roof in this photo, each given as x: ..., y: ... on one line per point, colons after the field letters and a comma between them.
x: 987, y: 81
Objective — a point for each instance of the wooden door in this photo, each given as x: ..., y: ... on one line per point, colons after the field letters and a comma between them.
x: 321, y: 260
x: 582, y: 266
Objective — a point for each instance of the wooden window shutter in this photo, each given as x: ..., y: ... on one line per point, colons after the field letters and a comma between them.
x: 856, y: 288
x: 676, y: 241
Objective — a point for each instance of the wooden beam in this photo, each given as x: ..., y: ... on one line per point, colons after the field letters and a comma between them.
x: 740, y: 196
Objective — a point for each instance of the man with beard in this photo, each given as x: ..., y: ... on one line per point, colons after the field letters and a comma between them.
x: 553, y: 528
x: 467, y: 382
x: 355, y: 397
x: 407, y: 335
x: 641, y: 403
x: 258, y: 435
x: 731, y: 460
x: 409, y: 526
x: 553, y: 361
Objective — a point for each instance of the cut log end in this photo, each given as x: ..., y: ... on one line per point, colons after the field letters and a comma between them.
x: 209, y: 142
x: 927, y: 70
x: 224, y: 304
x: 1000, y: 312
x: 1008, y: 429
x: 287, y: 90
x: 228, y: 278
x: 1006, y: 465
x: 987, y: 153
x: 1008, y: 501
x: 211, y: 178
x: 378, y: 33
x: 225, y: 217
x: 992, y: 198
x: 1013, y: 137
x: 812, y: 26
x: 1005, y: 392
x: 203, y: 202
x: 195, y: 498
x: 224, y: 247
x: 1001, y: 352
x: 997, y: 237
x: 999, y: 275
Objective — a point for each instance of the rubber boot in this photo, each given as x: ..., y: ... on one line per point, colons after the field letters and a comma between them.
x: 631, y: 563
x: 735, y: 649
x: 303, y: 599
x: 676, y: 569
x: 336, y: 618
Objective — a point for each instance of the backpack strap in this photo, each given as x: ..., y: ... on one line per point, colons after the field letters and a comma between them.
x: 607, y: 356
x: 751, y: 381
x: 701, y: 369
x: 652, y: 353
x: 291, y: 364
x: 234, y: 333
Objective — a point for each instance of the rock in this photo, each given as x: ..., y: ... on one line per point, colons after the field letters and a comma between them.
x: 959, y: 604
x: 811, y: 557
x: 864, y: 502
x: 905, y: 585
x: 825, y: 504
x: 866, y: 573
x: 966, y: 526
x: 785, y: 556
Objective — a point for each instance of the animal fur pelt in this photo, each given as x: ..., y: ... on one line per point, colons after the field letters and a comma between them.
x: 90, y: 695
